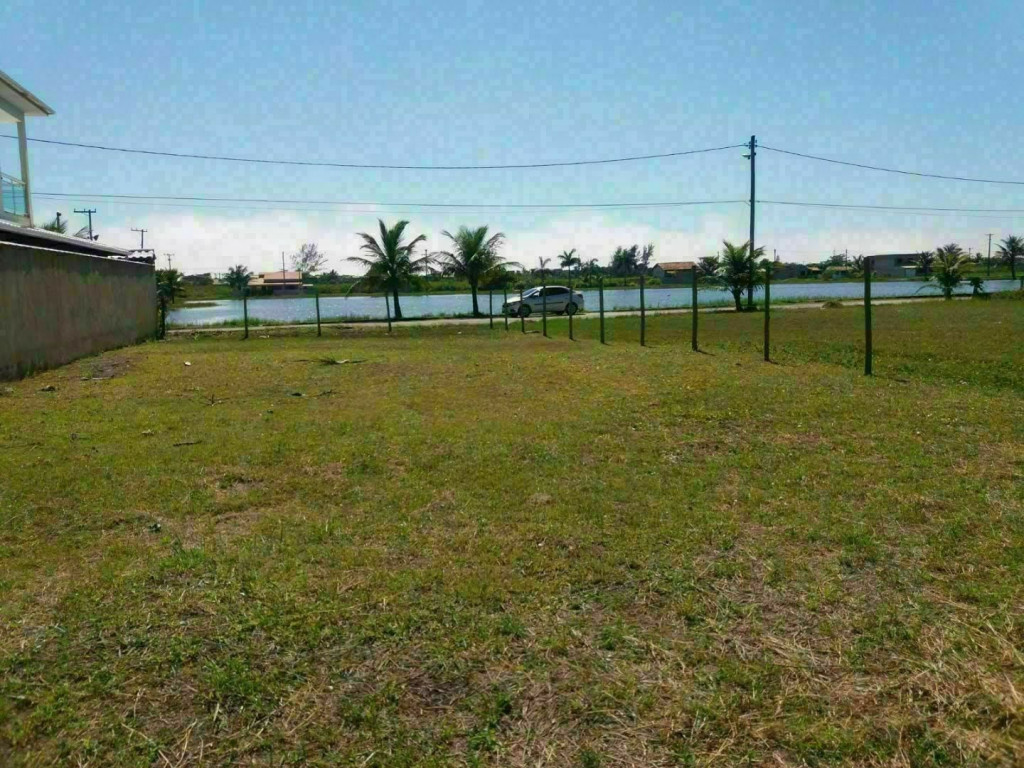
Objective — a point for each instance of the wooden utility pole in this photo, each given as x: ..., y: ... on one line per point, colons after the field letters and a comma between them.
x: 988, y: 272
x: 142, y: 237
x: 753, y: 165
x: 89, y: 212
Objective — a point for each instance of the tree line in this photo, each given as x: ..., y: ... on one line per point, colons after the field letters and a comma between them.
x: 392, y: 262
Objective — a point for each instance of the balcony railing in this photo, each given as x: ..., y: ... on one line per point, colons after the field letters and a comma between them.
x: 12, y: 198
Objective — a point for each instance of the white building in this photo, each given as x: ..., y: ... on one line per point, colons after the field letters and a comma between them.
x: 16, y: 104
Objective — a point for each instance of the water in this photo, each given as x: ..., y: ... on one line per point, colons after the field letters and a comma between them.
x: 425, y: 305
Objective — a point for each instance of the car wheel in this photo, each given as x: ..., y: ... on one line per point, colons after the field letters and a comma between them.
x: 524, y: 311
x: 570, y: 308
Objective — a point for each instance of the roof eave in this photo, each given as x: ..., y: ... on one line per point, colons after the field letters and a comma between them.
x: 43, y: 110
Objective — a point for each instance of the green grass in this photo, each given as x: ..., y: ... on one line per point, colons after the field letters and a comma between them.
x: 479, y: 548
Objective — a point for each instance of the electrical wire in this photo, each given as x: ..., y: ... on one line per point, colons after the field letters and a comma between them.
x: 319, y: 164
x: 406, y: 205
x: 906, y: 208
x: 202, y: 201
x: 890, y: 170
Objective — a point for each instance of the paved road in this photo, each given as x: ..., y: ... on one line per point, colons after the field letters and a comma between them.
x: 374, y: 324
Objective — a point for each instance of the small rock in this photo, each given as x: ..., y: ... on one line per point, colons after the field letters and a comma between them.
x: 187, y: 363
x: 156, y: 527
x: 48, y: 388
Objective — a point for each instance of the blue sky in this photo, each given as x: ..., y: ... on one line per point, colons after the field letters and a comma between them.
x: 915, y: 85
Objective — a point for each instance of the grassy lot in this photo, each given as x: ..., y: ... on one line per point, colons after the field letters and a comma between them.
x: 480, y: 548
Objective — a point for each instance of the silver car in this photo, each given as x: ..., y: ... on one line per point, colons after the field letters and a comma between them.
x: 558, y: 299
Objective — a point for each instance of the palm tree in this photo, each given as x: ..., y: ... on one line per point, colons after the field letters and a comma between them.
x: 591, y: 267
x: 977, y: 286
x: 473, y: 256
x: 857, y: 264
x: 56, y: 225
x: 238, y: 277
x: 624, y: 261
x: 949, y: 264
x: 734, y: 272
x: 568, y: 259
x: 924, y: 262
x: 169, y: 286
x: 1009, y: 251
x: 707, y: 268
x: 390, y: 265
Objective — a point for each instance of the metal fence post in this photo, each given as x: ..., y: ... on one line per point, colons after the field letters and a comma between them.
x: 490, y: 307
x: 693, y: 313
x: 318, y: 310
x: 643, y: 314
x: 600, y: 303
x: 387, y: 309
x: 867, y: 315
x: 504, y: 303
x: 544, y: 305
x: 522, y: 317
x: 245, y: 312
x: 767, y: 308
x: 571, y: 297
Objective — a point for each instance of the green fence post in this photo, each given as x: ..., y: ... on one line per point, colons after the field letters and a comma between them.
x: 504, y: 303
x: 490, y: 307
x: 868, y: 263
x: 693, y: 313
x: 522, y: 317
x: 600, y: 304
x: 387, y: 309
x: 571, y: 297
x: 245, y: 312
x: 318, y: 310
x: 643, y: 314
x: 544, y: 306
x: 767, y: 308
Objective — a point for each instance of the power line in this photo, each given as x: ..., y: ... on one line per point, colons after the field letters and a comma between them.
x: 891, y: 170
x: 411, y: 205
x: 319, y: 164
x: 909, y: 208
x: 197, y: 201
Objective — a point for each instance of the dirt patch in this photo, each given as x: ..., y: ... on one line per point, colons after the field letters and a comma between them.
x: 105, y: 368
x: 234, y: 483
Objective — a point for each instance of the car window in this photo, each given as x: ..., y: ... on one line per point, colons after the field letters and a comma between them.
x: 531, y: 293
x: 557, y: 291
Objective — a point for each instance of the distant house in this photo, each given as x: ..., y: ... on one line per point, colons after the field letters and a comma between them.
x: 280, y: 282
x: 895, y: 264
x: 838, y: 271
x: 679, y: 272
x: 789, y: 271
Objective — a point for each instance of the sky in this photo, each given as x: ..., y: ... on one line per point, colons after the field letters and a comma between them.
x: 926, y: 86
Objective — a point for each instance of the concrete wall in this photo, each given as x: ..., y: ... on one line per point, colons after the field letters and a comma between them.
x: 56, y: 306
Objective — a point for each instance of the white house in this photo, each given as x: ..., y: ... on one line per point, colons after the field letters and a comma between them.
x: 16, y: 104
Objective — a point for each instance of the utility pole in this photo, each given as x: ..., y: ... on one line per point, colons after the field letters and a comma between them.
x: 89, y: 212
x: 752, y: 157
x: 59, y: 214
x: 142, y: 237
x: 988, y: 272
x: 168, y: 255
